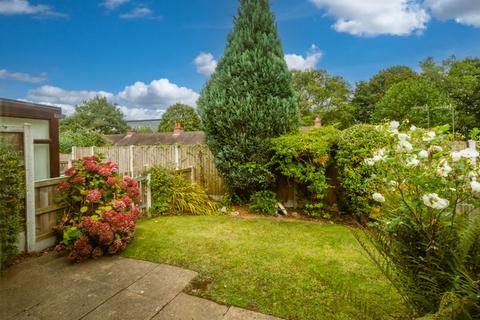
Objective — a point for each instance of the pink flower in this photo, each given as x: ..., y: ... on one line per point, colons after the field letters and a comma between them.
x: 70, y: 171
x: 119, y: 205
x: 62, y: 186
x: 111, y: 181
x: 104, y: 171
x: 90, y: 166
x: 79, y: 180
x: 127, y: 200
x: 94, y: 195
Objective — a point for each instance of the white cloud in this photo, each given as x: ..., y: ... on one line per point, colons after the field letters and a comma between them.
x: 375, y: 17
x: 206, y: 64
x: 24, y: 77
x: 297, y: 62
x: 19, y: 7
x: 462, y: 11
x: 56, y: 95
x: 113, y: 4
x: 139, y: 12
x: 158, y: 93
x: 137, y: 101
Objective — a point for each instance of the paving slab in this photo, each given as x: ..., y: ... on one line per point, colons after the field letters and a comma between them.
x: 126, y: 305
x: 185, y: 307
x: 235, y: 313
x: 163, y: 283
x: 50, y: 287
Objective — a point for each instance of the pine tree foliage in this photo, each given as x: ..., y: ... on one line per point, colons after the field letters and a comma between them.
x: 248, y: 100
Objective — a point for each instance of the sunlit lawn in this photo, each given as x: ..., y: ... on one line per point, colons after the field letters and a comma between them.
x: 290, y: 269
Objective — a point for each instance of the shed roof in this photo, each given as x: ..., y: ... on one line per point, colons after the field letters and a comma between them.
x: 23, y: 109
x: 134, y: 138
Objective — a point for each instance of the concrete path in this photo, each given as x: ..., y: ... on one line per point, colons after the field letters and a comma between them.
x: 109, y: 288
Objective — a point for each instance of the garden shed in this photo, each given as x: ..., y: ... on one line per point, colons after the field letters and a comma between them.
x: 44, y: 125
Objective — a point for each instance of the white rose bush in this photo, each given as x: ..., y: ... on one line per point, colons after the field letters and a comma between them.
x: 426, y: 238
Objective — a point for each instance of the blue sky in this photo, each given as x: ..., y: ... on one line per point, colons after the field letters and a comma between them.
x: 147, y: 54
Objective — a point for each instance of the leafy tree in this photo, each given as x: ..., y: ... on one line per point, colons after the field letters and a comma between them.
x: 81, y: 137
x: 416, y: 100
x: 462, y: 84
x: 96, y: 114
x: 324, y: 95
x: 367, y: 94
x: 182, y: 113
x: 248, y: 100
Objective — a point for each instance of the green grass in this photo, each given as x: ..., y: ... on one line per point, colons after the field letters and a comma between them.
x: 290, y: 269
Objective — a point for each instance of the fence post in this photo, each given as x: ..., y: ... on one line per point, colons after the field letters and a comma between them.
x: 30, y: 230
x: 149, y: 195
x: 92, y: 151
x: 130, y: 159
x: 177, y: 156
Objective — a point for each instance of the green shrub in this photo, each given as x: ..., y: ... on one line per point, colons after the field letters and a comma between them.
x: 173, y: 195
x: 264, y: 202
x: 355, y: 145
x: 102, y: 210
x: 12, y: 196
x: 81, y: 138
x: 304, y: 157
x: 427, y: 236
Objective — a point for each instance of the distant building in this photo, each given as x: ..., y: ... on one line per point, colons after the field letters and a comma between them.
x: 178, y: 136
x: 150, y: 123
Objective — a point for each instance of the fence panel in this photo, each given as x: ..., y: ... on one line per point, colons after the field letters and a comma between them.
x: 46, y: 210
x: 136, y: 160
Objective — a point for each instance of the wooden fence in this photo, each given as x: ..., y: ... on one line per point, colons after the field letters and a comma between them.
x: 137, y: 160
x: 46, y: 210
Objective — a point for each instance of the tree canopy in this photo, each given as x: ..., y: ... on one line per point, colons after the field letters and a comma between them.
x: 248, y: 100
x: 96, y: 114
x: 324, y: 95
x: 417, y: 100
x: 368, y: 94
x: 182, y: 113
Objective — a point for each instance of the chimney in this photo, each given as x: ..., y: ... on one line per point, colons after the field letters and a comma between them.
x: 178, y: 129
x: 318, y: 122
x: 131, y: 132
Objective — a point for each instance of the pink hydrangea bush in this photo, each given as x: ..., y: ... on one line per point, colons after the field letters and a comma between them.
x: 102, y: 210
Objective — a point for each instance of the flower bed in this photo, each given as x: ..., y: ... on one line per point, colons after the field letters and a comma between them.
x: 102, y: 210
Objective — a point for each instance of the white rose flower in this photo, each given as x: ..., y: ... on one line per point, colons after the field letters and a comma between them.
x: 394, y: 125
x: 403, y: 136
x: 413, y: 162
x: 469, y: 153
x: 475, y: 186
x: 456, y: 156
x: 433, y: 201
x: 444, y: 169
x: 429, y: 136
x: 413, y: 128
x: 423, y: 154
x: 378, y: 197
x: 404, y: 145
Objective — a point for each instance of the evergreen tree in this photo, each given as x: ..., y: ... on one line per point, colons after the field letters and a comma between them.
x: 248, y: 100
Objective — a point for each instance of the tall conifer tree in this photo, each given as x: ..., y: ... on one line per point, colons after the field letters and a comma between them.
x: 248, y: 100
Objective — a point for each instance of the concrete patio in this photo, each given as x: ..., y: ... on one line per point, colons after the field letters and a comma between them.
x: 47, y: 287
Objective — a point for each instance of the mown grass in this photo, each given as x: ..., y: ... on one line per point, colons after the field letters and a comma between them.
x: 290, y: 269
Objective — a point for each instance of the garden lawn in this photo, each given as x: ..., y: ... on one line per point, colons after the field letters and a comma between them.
x: 290, y: 269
